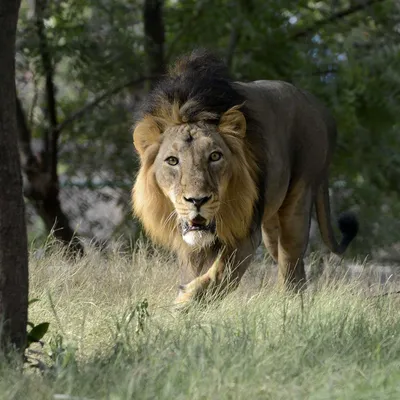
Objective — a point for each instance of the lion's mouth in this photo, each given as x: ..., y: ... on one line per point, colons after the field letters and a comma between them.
x: 198, y: 224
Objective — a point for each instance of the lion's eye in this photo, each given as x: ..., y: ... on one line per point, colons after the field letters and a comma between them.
x: 172, y: 160
x: 215, y: 156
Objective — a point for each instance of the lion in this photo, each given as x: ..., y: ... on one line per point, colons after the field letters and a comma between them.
x: 225, y: 165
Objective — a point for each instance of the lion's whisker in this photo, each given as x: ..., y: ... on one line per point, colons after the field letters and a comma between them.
x: 169, y: 218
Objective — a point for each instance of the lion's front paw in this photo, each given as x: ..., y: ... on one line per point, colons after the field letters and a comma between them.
x: 197, y: 288
x: 191, y: 292
x: 183, y: 301
x: 187, y: 294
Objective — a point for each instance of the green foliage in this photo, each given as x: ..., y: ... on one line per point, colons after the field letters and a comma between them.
x: 36, y: 333
x: 62, y: 357
x: 124, y: 335
x: 57, y: 359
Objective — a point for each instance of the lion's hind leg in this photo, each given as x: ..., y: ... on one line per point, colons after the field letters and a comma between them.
x: 294, y: 219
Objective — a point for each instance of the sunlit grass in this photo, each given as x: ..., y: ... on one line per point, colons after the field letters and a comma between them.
x: 336, y: 341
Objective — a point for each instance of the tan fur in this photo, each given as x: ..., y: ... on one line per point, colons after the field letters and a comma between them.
x: 240, y: 195
x: 274, y: 168
x: 154, y: 208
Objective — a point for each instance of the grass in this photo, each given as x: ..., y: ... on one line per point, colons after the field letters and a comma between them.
x: 337, y: 341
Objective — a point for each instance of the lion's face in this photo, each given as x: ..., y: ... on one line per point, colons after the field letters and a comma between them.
x: 193, y: 168
x: 196, y: 181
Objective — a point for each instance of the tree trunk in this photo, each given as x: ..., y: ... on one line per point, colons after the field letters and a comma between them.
x: 42, y: 188
x: 13, y: 240
x: 42, y: 181
x: 154, y: 38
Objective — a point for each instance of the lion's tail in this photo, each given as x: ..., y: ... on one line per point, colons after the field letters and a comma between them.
x: 348, y: 223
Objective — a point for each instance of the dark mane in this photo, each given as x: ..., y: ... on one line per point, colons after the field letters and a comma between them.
x: 199, y: 88
x: 201, y: 81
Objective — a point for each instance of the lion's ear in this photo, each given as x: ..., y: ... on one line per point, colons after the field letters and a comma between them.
x: 145, y: 134
x: 233, y: 123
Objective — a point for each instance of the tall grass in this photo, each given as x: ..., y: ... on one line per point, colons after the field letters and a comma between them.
x: 339, y: 340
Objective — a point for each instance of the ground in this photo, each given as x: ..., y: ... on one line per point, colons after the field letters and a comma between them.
x: 113, y: 334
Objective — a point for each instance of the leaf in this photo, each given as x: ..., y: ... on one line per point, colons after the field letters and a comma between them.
x: 38, y: 332
x: 31, y: 301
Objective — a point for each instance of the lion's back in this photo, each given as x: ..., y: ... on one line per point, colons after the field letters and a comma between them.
x: 296, y: 131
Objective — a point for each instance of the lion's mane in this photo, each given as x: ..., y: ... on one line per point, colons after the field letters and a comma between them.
x: 197, y: 88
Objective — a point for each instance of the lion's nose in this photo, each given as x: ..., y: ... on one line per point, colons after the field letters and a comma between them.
x: 198, y: 201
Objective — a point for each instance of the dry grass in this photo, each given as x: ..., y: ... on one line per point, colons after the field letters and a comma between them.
x: 80, y: 299
x: 335, y: 341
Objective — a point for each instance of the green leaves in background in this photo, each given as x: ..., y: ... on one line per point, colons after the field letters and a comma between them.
x: 345, y: 52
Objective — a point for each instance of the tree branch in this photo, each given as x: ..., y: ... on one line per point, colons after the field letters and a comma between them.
x: 187, y: 25
x: 334, y: 17
x: 235, y: 34
x: 318, y: 72
x: 154, y: 36
x: 34, y: 101
x: 233, y: 42
x: 97, y: 100
x: 51, y: 143
x: 24, y: 135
